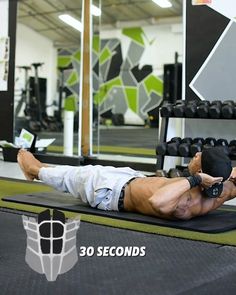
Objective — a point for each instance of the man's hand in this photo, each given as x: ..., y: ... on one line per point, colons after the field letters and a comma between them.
x: 208, y: 181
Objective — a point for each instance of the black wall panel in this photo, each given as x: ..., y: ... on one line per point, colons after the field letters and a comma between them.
x: 204, y: 26
x: 7, y: 97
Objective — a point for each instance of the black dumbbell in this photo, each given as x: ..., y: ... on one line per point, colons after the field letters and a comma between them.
x: 227, y: 109
x: 196, y: 146
x: 167, y: 110
x: 209, y: 142
x: 173, y: 172
x: 178, y: 108
x: 190, y: 110
x: 184, y: 147
x: 203, y: 109
x: 161, y: 148
x: 232, y: 148
x: 186, y: 172
x: 172, y: 147
x: 215, y: 109
x: 161, y: 173
x: 224, y: 144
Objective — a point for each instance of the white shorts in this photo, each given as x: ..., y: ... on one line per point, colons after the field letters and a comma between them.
x: 99, y: 186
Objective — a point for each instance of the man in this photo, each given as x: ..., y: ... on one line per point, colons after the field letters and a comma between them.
x: 123, y: 189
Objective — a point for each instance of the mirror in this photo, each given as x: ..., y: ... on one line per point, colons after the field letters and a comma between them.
x: 130, y: 48
x: 47, y: 74
x: 137, y: 39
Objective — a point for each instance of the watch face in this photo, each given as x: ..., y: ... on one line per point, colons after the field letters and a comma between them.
x: 214, y: 191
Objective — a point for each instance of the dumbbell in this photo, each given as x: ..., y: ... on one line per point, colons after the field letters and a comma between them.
x: 203, y: 109
x: 167, y: 110
x: 191, y: 109
x: 224, y: 144
x: 227, y: 109
x: 209, y: 143
x: 173, y: 172
x: 172, y: 147
x: 161, y: 148
x: 184, y: 147
x: 186, y: 172
x: 196, y: 146
x: 215, y: 109
x: 232, y: 148
x: 161, y: 173
x: 178, y: 108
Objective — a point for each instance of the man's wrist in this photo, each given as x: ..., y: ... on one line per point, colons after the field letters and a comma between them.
x: 194, y: 180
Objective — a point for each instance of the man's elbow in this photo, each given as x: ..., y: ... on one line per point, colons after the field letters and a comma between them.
x: 159, y: 207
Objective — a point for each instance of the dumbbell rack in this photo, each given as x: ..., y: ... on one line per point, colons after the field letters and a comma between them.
x: 163, y: 137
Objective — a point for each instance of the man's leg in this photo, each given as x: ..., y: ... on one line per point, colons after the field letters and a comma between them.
x: 62, y: 178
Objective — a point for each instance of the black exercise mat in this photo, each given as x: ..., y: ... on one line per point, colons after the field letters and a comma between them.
x: 214, y: 222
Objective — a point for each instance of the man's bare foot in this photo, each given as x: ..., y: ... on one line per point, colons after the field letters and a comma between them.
x: 29, y: 164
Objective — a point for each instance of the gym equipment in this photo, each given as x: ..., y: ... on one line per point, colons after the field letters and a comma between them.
x: 167, y: 110
x: 118, y: 119
x: 184, y: 147
x: 62, y: 93
x: 161, y: 173
x: 172, y: 147
x: 215, y: 109
x: 224, y: 144
x: 191, y: 109
x: 172, y: 78
x: 203, y: 109
x: 227, y: 109
x: 216, y: 221
x: 232, y: 148
x: 25, y: 92
x: 174, y: 172
x: 178, y: 108
x: 196, y: 146
x: 161, y: 148
x: 209, y: 142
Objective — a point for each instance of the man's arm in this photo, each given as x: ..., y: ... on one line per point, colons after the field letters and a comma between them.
x: 168, y: 199
x: 165, y: 200
x: 210, y: 204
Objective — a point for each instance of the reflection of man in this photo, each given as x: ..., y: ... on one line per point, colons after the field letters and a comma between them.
x: 123, y: 189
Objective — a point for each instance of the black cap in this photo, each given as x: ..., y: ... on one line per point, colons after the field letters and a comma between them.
x: 216, y: 162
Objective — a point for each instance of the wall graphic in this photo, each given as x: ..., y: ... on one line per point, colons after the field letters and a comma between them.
x: 210, y: 63
x: 125, y: 88
x: 218, y: 69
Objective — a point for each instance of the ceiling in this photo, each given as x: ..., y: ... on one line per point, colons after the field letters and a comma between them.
x: 42, y: 15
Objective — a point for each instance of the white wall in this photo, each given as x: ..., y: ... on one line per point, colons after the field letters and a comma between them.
x: 168, y: 38
x: 31, y: 47
x: 4, y: 8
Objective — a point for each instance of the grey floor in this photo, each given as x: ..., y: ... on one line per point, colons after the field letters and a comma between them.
x: 133, y: 137
x: 170, y: 266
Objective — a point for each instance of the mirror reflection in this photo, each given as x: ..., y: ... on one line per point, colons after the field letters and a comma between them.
x: 132, y: 41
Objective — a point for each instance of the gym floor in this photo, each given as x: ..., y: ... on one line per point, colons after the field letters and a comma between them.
x: 123, y: 140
